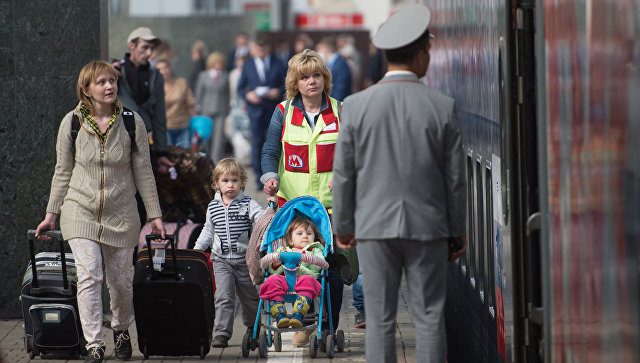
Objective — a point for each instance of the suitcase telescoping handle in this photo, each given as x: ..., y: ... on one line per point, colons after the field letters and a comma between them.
x: 56, y: 236
x: 172, y: 240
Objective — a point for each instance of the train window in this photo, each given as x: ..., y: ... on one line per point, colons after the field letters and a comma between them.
x: 469, y: 263
x: 489, y: 257
x: 479, y: 224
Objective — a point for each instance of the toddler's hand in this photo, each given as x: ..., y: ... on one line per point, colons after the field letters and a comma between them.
x: 272, y: 198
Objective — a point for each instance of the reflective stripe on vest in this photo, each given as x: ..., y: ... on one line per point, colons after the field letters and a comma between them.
x: 306, y: 164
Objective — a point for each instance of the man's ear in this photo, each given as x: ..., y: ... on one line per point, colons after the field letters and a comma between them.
x: 131, y: 46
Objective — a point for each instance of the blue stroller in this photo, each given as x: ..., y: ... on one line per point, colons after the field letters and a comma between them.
x: 320, y: 320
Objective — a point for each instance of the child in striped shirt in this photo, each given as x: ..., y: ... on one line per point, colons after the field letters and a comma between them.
x: 227, y: 229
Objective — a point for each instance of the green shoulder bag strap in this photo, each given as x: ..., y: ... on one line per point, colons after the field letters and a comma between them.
x: 345, y: 261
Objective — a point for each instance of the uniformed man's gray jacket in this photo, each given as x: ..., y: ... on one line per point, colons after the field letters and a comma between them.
x: 399, y: 164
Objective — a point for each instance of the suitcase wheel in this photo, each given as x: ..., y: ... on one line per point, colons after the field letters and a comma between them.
x: 202, y: 352
x: 30, y: 347
x: 145, y: 352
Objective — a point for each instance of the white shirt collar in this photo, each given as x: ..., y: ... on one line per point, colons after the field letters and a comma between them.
x: 399, y: 73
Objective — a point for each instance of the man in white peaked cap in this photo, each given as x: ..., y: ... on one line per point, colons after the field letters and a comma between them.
x: 399, y: 189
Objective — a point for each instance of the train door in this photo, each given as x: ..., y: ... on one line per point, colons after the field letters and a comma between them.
x: 525, y: 193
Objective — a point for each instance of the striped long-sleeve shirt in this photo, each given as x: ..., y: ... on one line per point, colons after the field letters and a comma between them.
x: 227, y: 228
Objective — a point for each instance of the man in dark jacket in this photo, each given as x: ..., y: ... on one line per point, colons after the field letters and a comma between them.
x: 141, y: 89
x: 340, y: 71
x: 261, y: 84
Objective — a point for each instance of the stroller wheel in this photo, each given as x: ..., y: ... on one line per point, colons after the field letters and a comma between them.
x: 263, y: 345
x: 245, y: 345
x: 313, y: 346
x: 330, y: 346
x: 277, y: 342
x: 322, y: 342
x: 340, y: 340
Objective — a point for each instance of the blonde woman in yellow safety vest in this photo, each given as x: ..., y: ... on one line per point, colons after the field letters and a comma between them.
x: 297, y: 157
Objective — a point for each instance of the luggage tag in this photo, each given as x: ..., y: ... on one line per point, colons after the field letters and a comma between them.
x: 158, y: 259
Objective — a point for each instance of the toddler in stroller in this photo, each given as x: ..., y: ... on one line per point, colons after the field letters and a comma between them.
x: 301, y: 236
x: 296, y: 243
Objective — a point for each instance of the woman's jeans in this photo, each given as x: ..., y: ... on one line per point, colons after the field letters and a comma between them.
x: 358, y: 297
x: 179, y: 137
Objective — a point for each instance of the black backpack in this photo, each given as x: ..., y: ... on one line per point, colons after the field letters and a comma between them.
x: 129, y: 124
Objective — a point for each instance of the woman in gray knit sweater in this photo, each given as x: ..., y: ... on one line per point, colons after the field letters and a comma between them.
x: 93, y: 191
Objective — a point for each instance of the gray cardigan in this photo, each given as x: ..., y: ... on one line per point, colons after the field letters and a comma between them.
x: 212, y: 96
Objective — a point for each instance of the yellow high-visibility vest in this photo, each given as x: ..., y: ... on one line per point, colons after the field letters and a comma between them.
x: 306, y: 162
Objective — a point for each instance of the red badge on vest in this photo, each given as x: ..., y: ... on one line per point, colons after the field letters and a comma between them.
x: 295, y: 161
x: 296, y: 158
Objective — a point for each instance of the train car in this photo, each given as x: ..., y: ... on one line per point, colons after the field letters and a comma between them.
x: 548, y: 95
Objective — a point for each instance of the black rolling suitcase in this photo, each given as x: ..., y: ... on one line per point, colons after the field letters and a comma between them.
x: 173, y: 301
x: 49, y: 305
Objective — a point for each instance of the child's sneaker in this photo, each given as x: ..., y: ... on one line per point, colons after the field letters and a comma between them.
x: 279, y: 312
x: 220, y: 341
x: 300, y: 307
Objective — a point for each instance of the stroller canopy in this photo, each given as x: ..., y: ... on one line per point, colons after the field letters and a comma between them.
x: 307, y: 207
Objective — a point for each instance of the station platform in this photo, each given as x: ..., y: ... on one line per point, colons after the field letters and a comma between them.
x: 12, y: 346
x: 12, y: 332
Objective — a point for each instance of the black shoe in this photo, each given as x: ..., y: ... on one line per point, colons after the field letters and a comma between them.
x: 360, y: 320
x: 94, y: 355
x: 122, y: 342
x: 220, y: 341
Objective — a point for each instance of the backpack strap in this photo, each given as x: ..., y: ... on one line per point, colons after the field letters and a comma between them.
x: 75, y: 127
x: 130, y: 125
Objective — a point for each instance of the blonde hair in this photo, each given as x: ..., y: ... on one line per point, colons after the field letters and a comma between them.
x: 229, y: 166
x: 304, y: 223
x: 304, y: 63
x: 88, y: 74
x: 215, y: 57
x: 164, y: 60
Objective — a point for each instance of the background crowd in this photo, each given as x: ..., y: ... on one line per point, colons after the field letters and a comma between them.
x: 238, y: 120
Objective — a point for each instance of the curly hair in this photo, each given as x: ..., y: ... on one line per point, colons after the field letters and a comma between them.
x: 305, y: 63
x: 229, y: 166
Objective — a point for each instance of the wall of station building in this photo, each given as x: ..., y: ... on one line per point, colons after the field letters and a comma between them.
x: 43, y: 46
